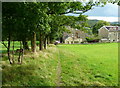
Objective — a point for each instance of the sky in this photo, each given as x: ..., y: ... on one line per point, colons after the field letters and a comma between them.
x: 108, y: 13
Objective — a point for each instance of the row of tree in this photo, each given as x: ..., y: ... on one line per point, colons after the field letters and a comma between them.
x: 43, y: 21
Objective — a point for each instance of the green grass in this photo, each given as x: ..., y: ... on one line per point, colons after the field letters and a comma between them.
x: 81, y: 65
x: 16, y: 45
x: 37, y: 69
x: 90, y: 65
x: 4, y: 50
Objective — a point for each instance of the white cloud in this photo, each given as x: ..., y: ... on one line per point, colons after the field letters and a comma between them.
x: 109, y: 10
x: 109, y: 19
x: 108, y: 13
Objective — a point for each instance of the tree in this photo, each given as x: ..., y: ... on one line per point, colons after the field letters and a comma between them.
x: 59, y: 23
x: 8, y: 26
x: 46, y: 20
x: 98, y: 25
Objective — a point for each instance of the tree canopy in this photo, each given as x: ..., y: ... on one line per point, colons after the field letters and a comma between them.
x: 98, y: 25
x: 45, y: 21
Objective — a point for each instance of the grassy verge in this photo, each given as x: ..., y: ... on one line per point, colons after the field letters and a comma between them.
x: 37, y: 70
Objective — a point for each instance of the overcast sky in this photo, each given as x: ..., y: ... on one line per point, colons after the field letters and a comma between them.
x: 108, y: 13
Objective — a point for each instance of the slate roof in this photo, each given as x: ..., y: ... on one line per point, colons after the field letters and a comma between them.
x: 112, y: 28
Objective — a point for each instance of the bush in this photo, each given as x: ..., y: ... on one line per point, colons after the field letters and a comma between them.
x: 82, y: 42
x: 92, y: 40
x: 37, y: 43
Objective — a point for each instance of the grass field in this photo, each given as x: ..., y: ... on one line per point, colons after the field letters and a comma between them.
x: 65, y: 65
x: 95, y: 64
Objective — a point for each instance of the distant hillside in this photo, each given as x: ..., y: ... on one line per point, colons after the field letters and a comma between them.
x: 115, y: 23
x: 92, y: 22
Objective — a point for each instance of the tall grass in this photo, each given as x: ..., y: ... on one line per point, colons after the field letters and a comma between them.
x: 37, y: 70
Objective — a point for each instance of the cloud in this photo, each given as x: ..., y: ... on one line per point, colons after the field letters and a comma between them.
x: 109, y: 10
x: 107, y: 13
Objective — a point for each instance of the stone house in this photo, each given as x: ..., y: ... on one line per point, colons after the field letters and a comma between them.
x: 75, y: 36
x: 109, y: 34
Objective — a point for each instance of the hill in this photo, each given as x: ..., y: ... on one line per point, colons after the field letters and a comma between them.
x: 92, y: 22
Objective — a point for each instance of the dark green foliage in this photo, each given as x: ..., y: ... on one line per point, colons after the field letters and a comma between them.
x: 24, y: 18
x: 98, y: 25
x: 92, y: 40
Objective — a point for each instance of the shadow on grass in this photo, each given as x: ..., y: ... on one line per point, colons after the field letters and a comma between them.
x: 4, y: 58
x: 3, y: 51
x: 21, y: 75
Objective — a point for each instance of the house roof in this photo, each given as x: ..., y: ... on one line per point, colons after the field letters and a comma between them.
x: 112, y: 28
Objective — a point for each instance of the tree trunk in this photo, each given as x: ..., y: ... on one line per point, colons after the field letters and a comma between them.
x: 45, y: 42
x: 8, y: 49
x: 20, y: 54
x: 33, y: 42
x: 40, y: 43
x: 25, y: 44
x: 48, y: 41
x: 13, y: 53
x: 19, y: 57
x: 61, y: 39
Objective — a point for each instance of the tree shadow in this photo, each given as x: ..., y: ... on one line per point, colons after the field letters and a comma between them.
x: 4, y: 57
x: 3, y: 51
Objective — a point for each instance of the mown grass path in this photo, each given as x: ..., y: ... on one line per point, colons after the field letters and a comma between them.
x: 58, y: 81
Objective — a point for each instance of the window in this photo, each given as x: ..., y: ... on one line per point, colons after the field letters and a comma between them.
x: 119, y: 34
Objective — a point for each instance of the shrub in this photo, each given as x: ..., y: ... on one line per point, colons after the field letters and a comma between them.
x: 92, y: 40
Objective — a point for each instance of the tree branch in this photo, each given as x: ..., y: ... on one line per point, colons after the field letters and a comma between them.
x: 4, y: 45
